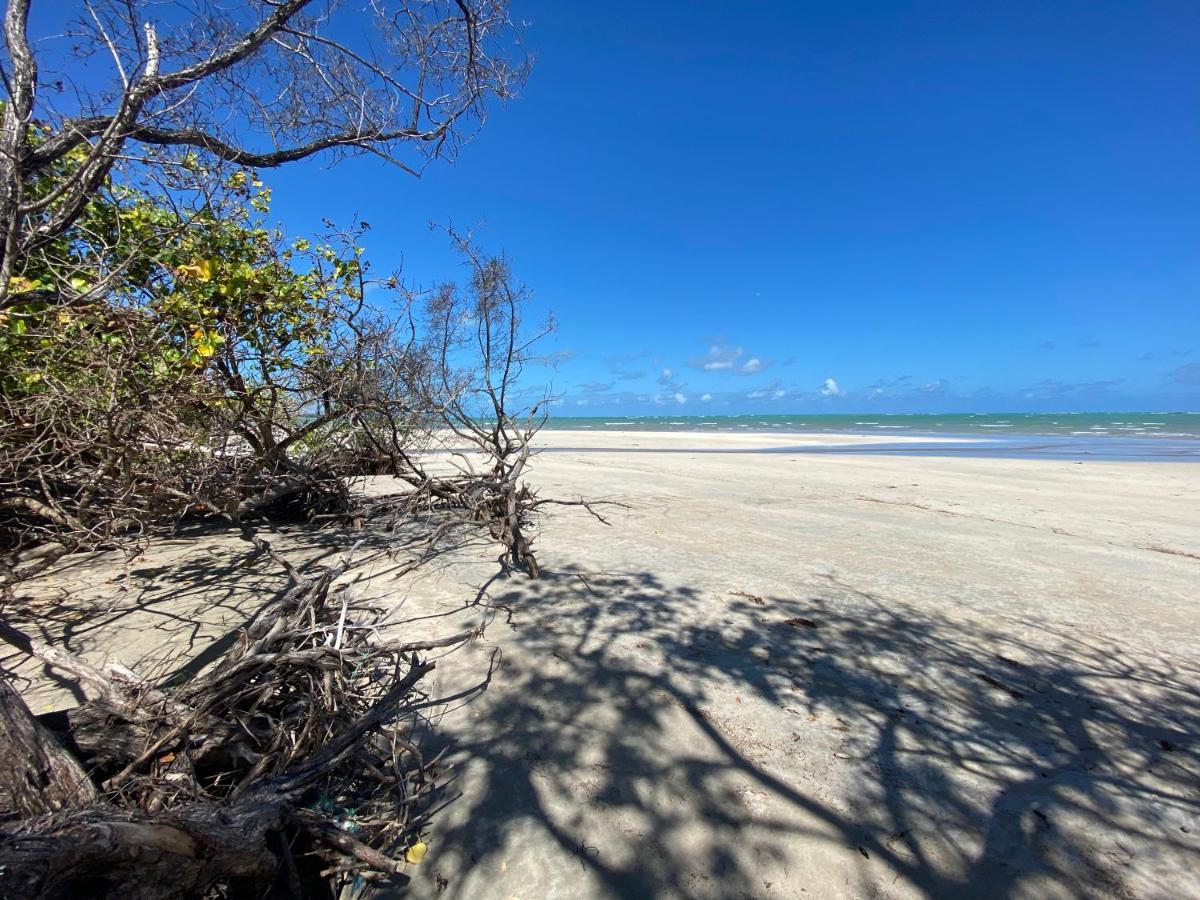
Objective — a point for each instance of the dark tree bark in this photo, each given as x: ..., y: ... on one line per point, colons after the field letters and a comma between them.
x: 37, y: 775
x: 106, y: 852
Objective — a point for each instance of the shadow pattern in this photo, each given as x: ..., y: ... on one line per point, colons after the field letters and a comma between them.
x: 641, y: 739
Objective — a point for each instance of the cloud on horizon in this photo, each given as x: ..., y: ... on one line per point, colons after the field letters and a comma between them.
x: 722, y: 357
x: 774, y: 390
x: 1053, y: 389
x: 1188, y: 374
x: 832, y: 389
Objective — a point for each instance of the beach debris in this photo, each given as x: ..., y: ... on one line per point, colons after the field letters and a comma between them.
x: 416, y: 853
x: 753, y: 598
x: 585, y: 852
x: 999, y: 685
x: 898, y: 836
x: 801, y: 622
x: 290, y: 737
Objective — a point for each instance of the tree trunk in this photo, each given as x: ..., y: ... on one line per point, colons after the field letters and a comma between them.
x: 112, y: 853
x: 37, y: 775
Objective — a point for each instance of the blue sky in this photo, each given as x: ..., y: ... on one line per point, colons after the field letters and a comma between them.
x: 796, y: 207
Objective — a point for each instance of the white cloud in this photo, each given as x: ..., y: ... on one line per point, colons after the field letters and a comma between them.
x: 680, y: 398
x: 719, y: 358
x: 774, y: 390
x: 831, y: 389
x: 729, y: 358
x: 704, y: 398
x: 666, y: 376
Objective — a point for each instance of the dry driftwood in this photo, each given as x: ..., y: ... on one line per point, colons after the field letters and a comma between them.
x: 290, y: 762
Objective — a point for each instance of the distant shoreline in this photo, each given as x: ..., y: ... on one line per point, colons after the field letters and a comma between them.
x: 1137, y: 426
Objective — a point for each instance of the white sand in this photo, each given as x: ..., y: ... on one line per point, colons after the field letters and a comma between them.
x: 1001, y: 696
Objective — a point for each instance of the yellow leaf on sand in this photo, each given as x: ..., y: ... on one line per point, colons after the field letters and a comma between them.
x: 416, y: 852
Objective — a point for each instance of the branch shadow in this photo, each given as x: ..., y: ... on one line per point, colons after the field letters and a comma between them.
x: 641, y: 739
x: 174, y: 611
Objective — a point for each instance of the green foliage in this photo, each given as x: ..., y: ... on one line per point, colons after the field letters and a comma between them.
x: 191, y: 284
x: 152, y: 354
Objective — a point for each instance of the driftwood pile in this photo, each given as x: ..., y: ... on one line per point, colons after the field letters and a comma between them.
x: 289, y: 768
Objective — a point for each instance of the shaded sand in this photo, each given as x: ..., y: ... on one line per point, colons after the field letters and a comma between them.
x: 784, y: 676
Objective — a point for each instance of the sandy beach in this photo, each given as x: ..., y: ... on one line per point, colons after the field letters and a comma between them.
x: 774, y: 674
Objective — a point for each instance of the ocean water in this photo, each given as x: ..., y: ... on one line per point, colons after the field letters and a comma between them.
x: 1138, y: 425
x: 1149, y: 437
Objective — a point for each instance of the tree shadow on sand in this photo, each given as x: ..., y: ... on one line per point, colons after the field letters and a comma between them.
x: 180, y: 607
x: 642, y: 739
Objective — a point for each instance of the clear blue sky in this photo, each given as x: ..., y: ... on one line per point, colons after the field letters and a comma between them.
x: 790, y: 206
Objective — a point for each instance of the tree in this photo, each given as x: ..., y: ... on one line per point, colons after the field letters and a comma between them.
x: 163, y: 352
x: 125, y: 238
x: 127, y: 407
x: 224, y: 775
x: 253, y: 84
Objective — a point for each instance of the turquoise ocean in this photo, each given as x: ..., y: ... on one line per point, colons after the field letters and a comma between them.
x: 1168, y: 425
x: 1173, y: 436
